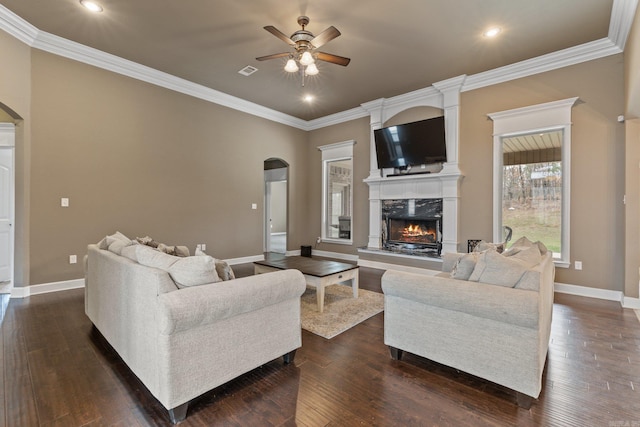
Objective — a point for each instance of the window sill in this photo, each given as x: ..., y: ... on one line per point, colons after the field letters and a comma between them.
x: 561, y: 264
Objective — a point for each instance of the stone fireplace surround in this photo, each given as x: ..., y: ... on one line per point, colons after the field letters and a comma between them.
x: 444, y: 184
x: 441, y: 185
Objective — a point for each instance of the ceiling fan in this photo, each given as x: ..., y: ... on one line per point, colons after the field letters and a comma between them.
x: 305, y: 44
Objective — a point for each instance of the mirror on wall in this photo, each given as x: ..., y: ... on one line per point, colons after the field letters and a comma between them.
x: 338, y: 198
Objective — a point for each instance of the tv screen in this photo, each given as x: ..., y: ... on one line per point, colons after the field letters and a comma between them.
x: 411, y: 144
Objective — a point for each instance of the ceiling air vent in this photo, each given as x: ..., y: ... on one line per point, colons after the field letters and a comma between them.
x: 248, y: 70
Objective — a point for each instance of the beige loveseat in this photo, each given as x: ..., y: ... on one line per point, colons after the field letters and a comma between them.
x: 184, y: 342
x: 498, y: 330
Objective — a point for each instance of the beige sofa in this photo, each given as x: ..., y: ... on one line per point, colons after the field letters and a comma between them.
x: 184, y: 342
x: 498, y: 331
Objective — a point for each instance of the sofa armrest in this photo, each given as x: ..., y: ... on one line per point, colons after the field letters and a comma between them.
x: 195, y: 306
x: 509, y: 305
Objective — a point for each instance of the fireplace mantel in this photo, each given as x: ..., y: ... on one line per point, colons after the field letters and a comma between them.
x: 443, y: 185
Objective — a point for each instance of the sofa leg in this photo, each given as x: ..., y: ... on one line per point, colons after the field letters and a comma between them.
x: 524, y: 401
x: 288, y: 358
x: 179, y: 413
x: 396, y: 353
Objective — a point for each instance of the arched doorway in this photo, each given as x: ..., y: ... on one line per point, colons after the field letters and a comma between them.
x: 276, y: 176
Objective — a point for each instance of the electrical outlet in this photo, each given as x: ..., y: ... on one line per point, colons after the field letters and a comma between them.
x: 203, y: 246
x: 73, y: 259
x: 318, y: 240
x: 578, y: 265
x: 64, y: 202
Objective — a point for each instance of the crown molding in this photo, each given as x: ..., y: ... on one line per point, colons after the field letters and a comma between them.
x: 552, y: 61
x: 17, y: 27
x: 622, y: 15
x: 337, y: 118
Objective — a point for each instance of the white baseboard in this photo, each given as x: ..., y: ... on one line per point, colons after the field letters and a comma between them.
x: 45, y: 288
x: 244, y: 260
x: 336, y: 255
x: 634, y: 303
x: 584, y: 291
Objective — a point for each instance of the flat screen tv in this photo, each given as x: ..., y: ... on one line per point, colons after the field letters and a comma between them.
x: 411, y: 144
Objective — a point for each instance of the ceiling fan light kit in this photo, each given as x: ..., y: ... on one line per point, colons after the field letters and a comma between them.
x: 304, y: 44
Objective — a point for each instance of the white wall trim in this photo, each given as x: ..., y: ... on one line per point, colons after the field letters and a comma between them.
x: 583, y: 291
x: 45, y: 288
x: 622, y: 15
x: 244, y: 260
x: 634, y: 303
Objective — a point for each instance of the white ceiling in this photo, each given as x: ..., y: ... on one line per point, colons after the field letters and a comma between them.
x: 395, y: 47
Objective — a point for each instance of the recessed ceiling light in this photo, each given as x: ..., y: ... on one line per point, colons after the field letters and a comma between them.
x: 492, y: 32
x: 308, y: 98
x: 91, y: 5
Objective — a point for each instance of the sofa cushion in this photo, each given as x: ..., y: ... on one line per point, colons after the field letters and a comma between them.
x: 496, y: 269
x: 449, y: 260
x: 465, y: 266
x: 130, y: 251
x: 194, y: 271
x: 116, y: 242
x: 150, y: 257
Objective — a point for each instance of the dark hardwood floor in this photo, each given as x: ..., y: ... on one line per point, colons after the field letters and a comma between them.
x: 57, y: 371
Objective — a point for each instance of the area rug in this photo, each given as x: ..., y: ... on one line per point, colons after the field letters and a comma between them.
x: 341, y: 310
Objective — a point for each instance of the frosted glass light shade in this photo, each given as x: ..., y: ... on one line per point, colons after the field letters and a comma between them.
x: 291, y: 66
x: 306, y: 59
x: 311, y: 70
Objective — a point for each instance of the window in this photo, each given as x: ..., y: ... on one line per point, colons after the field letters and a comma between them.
x: 532, y: 187
x: 337, y: 192
x: 532, y: 170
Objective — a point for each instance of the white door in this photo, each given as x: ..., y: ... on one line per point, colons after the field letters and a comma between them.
x: 7, y: 137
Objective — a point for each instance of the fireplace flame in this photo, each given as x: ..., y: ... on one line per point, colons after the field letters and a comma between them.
x: 414, y: 231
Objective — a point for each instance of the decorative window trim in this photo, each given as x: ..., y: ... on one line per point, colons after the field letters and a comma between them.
x: 554, y: 115
x: 332, y: 152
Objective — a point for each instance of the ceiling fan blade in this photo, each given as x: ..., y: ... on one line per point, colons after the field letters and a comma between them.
x: 279, y: 34
x: 325, y: 37
x: 274, y: 56
x: 334, y: 59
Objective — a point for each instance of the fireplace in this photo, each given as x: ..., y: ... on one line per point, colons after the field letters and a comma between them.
x: 412, y: 226
x: 413, y: 234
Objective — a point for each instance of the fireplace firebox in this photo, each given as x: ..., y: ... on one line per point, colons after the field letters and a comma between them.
x: 410, y: 233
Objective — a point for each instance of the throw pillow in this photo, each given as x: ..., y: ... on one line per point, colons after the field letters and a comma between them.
x: 153, y: 258
x: 496, y: 269
x: 483, y: 246
x: 194, y: 271
x: 146, y: 240
x: 224, y: 270
x: 465, y: 266
x: 530, y: 256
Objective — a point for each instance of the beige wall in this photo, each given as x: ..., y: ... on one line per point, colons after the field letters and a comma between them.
x: 597, y: 163
x: 15, y: 94
x: 357, y: 130
x: 632, y: 157
x: 144, y: 160
x: 597, y: 212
